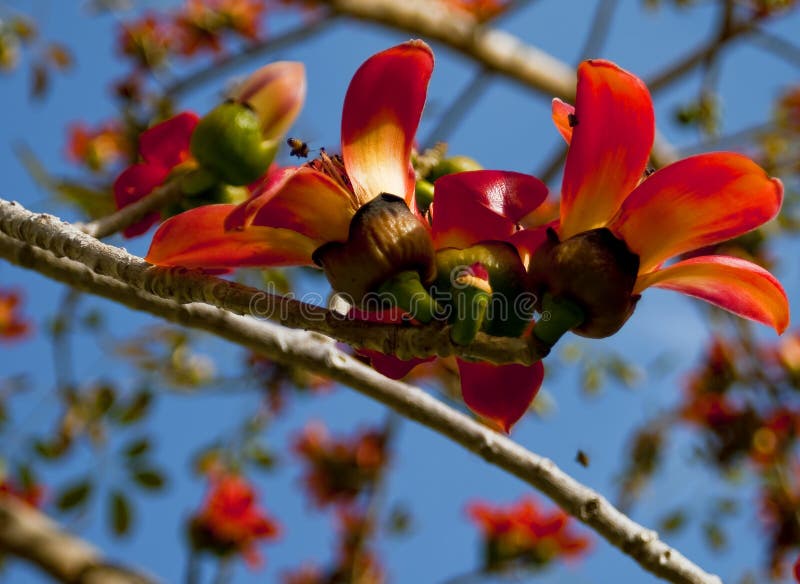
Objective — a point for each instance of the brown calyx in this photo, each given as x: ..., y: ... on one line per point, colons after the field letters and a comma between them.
x: 385, y: 238
x: 593, y: 269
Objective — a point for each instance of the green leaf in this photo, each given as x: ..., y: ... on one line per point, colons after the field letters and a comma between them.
x: 137, y: 448
x: 400, y: 520
x: 75, y: 495
x: 119, y: 512
x: 261, y: 456
x: 673, y: 522
x: 27, y: 476
x: 137, y: 408
x: 715, y: 536
x: 51, y: 449
x: 149, y: 478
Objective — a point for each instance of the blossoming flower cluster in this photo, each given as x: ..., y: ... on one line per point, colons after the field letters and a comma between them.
x: 525, y: 535
x: 217, y: 157
x: 197, y: 26
x: 230, y: 521
x: 359, y: 217
x: 338, y: 470
x: 98, y: 148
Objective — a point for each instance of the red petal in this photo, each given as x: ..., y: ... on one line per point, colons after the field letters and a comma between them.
x: 482, y: 205
x: 501, y: 393
x: 300, y: 199
x: 696, y: 202
x: 381, y: 113
x: 167, y: 143
x: 730, y: 283
x: 276, y: 93
x: 132, y: 184
x: 391, y: 366
x: 561, y: 113
x: 528, y: 241
x: 611, y: 141
x: 198, y: 239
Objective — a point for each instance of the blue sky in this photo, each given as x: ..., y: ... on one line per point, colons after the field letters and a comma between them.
x: 510, y: 128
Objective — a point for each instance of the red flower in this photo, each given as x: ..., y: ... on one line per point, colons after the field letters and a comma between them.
x: 689, y: 204
x: 30, y: 494
x: 162, y: 148
x: 97, y: 148
x: 12, y: 326
x: 695, y: 202
x: 524, y: 533
x: 300, y: 209
x: 338, y: 470
x: 231, y: 521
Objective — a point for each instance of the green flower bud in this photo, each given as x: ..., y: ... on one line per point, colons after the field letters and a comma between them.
x: 228, y: 143
x: 453, y: 165
x: 385, y: 239
x: 424, y: 195
x: 511, y: 305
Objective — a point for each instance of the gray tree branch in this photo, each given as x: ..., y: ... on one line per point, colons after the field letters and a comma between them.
x: 186, y: 286
x: 30, y: 535
x: 320, y: 355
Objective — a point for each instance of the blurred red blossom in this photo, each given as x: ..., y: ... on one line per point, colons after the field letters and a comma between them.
x: 526, y: 534
x: 99, y: 147
x: 279, y: 380
x: 481, y: 10
x: 147, y: 41
x: 339, y: 469
x: 230, y: 520
x: 13, y: 326
x: 201, y: 24
x: 32, y: 494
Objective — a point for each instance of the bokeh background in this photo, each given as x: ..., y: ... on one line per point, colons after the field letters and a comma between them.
x: 509, y: 127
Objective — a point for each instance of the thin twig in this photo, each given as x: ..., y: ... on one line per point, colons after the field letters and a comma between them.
x: 778, y: 46
x: 223, y: 66
x: 459, y: 108
x: 601, y: 25
x: 678, y: 69
x: 322, y: 357
x: 168, y: 193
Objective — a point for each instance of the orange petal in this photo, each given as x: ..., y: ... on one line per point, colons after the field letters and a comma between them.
x: 276, y: 92
x: 381, y: 113
x: 612, y: 135
x: 696, y: 202
x: 731, y: 283
x: 482, y: 205
x: 501, y: 393
x: 561, y: 113
x: 198, y: 239
x: 300, y: 199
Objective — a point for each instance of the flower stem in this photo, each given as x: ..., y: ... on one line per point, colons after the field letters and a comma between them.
x: 558, y: 317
